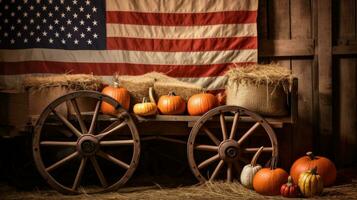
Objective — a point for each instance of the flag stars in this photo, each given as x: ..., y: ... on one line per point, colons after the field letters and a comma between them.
x: 6, y: 21
x: 32, y: 33
x: 83, y: 35
x: 95, y: 36
x: 62, y: 1
x: 89, y: 29
x: 32, y: 7
x: 63, y: 41
x: 50, y: 1
x: 95, y: 23
x: 12, y: 41
x: 81, y: 22
x: 89, y: 41
x: 69, y: 35
x: 6, y: 34
x: 50, y: 27
x: 94, y: 9
x: 44, y: 21
x: 56, y: 21
x: 69, y: 22
x: 50, y: 40
x: 63, y: 15
x: 18, y: 21
x: 88, y: 16
x: 18, y: 34
x: 38, y: 39
x: 38, y: 27
x: 87, y: 2
x: 75, y: 15
x: 74, y: 2
x: 12, y: 28
x: 50, y: 14
x: 19, y: 7
x: 44, y: 33
x: 12, y: 14
x: 76, y: 41
x: 6, y: 7
x: 38, y: 1
x: 44, y: 8
x: 25, y: 27
x: 62, y: 28
x: 75, y: 29
x: 68, y: 8
x: 32, y: 21
x: 56, y: 8
x: 56, y: 34
x: 25, y: 40
x: 38, y: 14
x: 81, y: 9
x: 25, y: 14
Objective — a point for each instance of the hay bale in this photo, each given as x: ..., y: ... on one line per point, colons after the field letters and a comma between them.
x: 185, y: 90
x: 42, y: 90
x: 260, y: 88
x: 138, y: 86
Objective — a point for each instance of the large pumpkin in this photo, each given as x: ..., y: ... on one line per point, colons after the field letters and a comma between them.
x: 199, y: 104
x: 249, y: 170
x: 118, y: 93
x: 268, y: 181
x: 171, y: 104
x: 310, y: 183
x: 325, y: 167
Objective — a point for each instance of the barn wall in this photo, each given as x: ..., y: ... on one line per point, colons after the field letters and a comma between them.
x: 320, y: 49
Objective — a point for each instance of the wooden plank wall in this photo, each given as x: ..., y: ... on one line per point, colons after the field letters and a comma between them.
x: 325, y: 63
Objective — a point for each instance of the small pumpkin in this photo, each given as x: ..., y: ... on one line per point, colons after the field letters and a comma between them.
x: 289, y: 189
x: 171, y: 104
x: 311, y: 183
x: 325, y: 167
x: 268, y: 181
x: 145, y: 108
x: 118, y: 93
x: 222, y: 98
x: 199, y: 104
x: 248, y: 172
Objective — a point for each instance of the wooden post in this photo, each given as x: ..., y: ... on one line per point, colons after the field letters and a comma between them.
x: 324, y: 61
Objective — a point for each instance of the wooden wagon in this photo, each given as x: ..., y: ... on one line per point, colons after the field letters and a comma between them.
x: 215, y: 151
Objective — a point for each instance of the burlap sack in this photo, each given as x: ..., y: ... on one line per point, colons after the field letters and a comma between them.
x: 261, y: 88
x: 263, y: 99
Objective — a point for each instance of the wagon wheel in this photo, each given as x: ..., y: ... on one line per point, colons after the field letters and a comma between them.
x: 86, y: 145
x: 226, y: 150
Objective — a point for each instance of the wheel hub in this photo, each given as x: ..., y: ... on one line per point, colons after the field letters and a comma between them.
x: 229, y: 150
x: 88, y: 145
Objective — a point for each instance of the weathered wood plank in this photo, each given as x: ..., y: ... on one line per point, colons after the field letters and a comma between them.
x: 301, y: 22
x: 344, y: 50
x: 286, y: 48
x: 347, y: 82
x: 324, y: 60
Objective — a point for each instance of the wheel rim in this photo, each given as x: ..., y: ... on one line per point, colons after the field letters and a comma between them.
x: 88, y: 145
x: 225, y: 151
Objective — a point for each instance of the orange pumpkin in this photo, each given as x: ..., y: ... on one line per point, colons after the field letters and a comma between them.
x: 325, y: 167
x: 171, y: 104
x: 268, y: 181
x: 199, y: 104
x: 118, y: 93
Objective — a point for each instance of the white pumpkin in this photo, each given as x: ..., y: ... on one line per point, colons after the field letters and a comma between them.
x: 248, y: 172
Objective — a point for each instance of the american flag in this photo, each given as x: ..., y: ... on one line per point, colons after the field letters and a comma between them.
x: 193, y: 40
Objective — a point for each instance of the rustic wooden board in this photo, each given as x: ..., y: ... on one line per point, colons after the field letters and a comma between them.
x: 301, y: 22
x: 347, y: 93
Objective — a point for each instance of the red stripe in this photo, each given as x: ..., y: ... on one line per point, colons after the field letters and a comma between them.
x: 182, y: 45
x: 111, y: 68
x: 181, y: 19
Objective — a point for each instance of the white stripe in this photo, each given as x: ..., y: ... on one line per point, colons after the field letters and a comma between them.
x: 210, y: 83
x: 181, y: 32
x: 181, y: 6
x: 133, y: 57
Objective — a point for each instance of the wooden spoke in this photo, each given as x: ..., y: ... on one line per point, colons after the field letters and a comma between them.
x: 234, y: 125
x: 67, y: 123
x: 205, y: 147
x: 111, y: 126
x: 216, y: 170
x: 116, y: 142
x: 79, y: 116
x: 229, y: 172
x: 208, y: 161
x: 117, y: 127
x: 99, y: 172
x: 58, y: 143
x: 223, y: 126
x: 79, y: 175
x: 253, y: 150
x: 211, y: 135
x: 248, y: 133
x: 62, y: 161
x: 95, y: 117
x: 113, y: 159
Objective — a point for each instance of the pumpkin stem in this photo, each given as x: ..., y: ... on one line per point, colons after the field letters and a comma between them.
x: 116, y: 84
x: 314, y: 170
x: 290, y: 181
x: 311, y: 155
x: 273, y: 163
x: 151, y: 95
x: 171, y: 94
x: 145, y: 100
x: 256, y: 156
